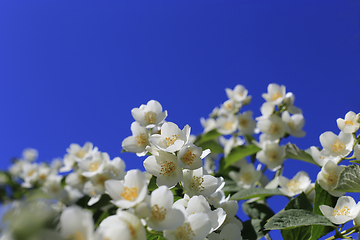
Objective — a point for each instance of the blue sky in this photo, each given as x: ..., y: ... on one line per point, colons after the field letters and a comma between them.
x: 71, y: 71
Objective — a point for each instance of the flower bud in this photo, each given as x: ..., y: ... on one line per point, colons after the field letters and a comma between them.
x: 357, y: 118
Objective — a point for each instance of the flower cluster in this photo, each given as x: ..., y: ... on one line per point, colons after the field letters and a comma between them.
x: 192, y: 185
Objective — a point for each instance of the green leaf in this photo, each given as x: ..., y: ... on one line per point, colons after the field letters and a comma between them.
x: 257, y: 210
x: 298, y: 233
x: 349, y: 179
x: 255, y: 192
x: 300, y: 202
x: 239, y: 153
x: 250, y: 193
x: 253, y: 229
x: 211, y: 135
x: 154, y: 236
x: 293, y: 152
x: 322, y: 197
x: 152, y: 184
x: 295, y: 218
x: 212, y: 145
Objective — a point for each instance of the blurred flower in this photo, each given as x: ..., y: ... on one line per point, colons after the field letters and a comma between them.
x: 275, y: 93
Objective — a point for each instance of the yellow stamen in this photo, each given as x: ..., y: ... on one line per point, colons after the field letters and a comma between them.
x: 274, y: 128
x: 150, y: 117
x: 129, y: 193
x: 246, y: 177
x: 332, y: 178
x: 338, y: 146
x: 31, y: 172
x: 243, y: 122
x: 188, y: 157
x: 158, y: 214
x: 80, y: 154
x: 101, y: 180
x: 76, y: 236
x: 167, y: 168
x: 94, y: 166
x: 228, y: 125
x: 184, y: 232
x: 273, y: 156
x: 171, y: 140
x: 140, y: 140
x: 344, y: 211
x: 349, y: 122
x: 196, y: 183
x: 293, y: 185
x: 276, y: 96
x: 132, y: 231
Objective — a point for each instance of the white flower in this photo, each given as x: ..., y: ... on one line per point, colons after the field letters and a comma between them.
x: 208, y: 124
x: 345, y: 210
x: 96, y: 186
x: 76, y: 179
x: 80, y: 153
x: 196, y: 182
x: 195, y: 227
x: 246, y: 177
x: 163, y: 216
x: 319, y: 158
x: 217, y: 198
x: 246, y: 123
x: 230, y: 106
x: 191, y: 156
x: 272, y: 155
x: 336, y: 146
x: 124, y: 225
x: 294, y: 124
x: 199, y: 204
x: 165, y: 167
x: 328, y: 177
x: 30, y: 154
x: 130, y: 192
x: 349, y: 124
x: 138, y: 141
x: 149, y: 115
x: 171, y: 138
x: 289, y: 102
x: 230, y: 232
x: 272, y: 126
x: 95, y: 165
x: 116, y: 167
x: 29, y: 174
x: 53, y: 188
x: 76, y: 223
x: 239, y: 94
x: 267, y: 109
x: 230, y: 143
x: 227, y: 124
x: 275, y: 93
x: 299, y: 183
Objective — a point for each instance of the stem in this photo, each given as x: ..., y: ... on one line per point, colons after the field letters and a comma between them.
x: 344, y: 234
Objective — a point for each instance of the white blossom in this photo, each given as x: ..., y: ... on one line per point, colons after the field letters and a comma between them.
x: 346, y: 209
x: 349, y: 124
